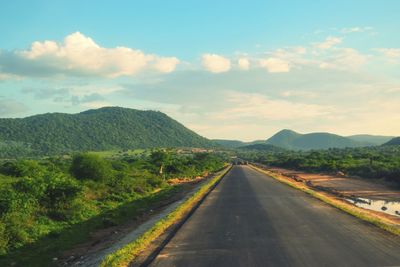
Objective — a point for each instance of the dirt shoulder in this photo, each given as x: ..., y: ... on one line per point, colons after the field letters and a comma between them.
x: 343, y: 185
x: 387, y: 222
x: 336, y: 189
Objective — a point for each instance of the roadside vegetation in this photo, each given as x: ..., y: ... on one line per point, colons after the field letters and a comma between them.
x: 380, y: 162
x: 57, y: 201
x: 128, y: 253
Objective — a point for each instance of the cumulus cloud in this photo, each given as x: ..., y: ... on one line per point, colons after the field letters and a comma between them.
x: 81, y: 55
x: 275, y: 65
x: 329, y: 42
x: 166, y: 64
x: 243, y: 63
x: 216, y: 63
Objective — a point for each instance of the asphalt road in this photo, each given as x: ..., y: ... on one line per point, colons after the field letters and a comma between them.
x: 252, y: 220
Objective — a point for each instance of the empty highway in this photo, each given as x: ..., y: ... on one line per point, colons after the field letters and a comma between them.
x: 250, y: 219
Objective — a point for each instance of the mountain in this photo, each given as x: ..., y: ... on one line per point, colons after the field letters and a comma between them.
x: 395, y: 141
x: 284, y: 139
x: 292, y: 140
x: 374, y: 140
x: 229, y: 143
x: 235, y: 143
x: 98, y: 129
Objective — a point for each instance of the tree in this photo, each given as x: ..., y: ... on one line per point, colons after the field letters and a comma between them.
x: 159, y: 158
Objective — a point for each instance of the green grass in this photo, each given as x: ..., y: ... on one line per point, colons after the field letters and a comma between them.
x: 45, y: 249
x: 129, y: 252
x: 346, y: 207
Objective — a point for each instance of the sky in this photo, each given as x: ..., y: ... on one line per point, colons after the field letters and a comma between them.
x: 238, y: 70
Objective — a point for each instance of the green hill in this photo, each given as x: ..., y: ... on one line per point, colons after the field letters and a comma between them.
x: 292, y: 140
x: 284, y: 139
x: 394, y: 142
x: 99, y: 129
x: 374, y: 140
x: 235, y: 143
x: 229, y: 143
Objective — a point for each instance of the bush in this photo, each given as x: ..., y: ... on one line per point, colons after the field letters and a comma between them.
x: 90, y: 166
x: 59, y: 193
x: 3, y: 239
x: 22, y: 168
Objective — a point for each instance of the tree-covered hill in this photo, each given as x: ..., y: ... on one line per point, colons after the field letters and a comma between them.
x: 231, y: 144
x: 292, y: 140
x: 228, y: 143
x: 99, y: 129
x: 395, y: 141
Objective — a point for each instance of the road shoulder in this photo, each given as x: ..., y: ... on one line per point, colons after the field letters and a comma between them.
x: 388, y: 223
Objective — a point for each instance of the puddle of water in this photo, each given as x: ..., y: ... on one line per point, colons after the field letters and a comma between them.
x: 389, y: 207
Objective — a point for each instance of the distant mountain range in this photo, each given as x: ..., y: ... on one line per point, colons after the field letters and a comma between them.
x: 235, y: 143
x: 371, y: 139
x: 292, y: 140
x: 98, y: 129
x: 122, y: 128
x: 289, y: 139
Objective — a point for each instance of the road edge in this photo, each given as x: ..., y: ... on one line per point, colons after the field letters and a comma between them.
x: 360, y: 213
x: 129, y: 252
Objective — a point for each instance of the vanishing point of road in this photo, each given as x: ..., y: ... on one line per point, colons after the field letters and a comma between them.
x: 250, y: 219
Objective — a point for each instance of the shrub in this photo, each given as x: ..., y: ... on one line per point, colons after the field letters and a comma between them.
x: 22, y: 168
x: 3, y: 239
x: 59, y: 193
x: 90, y: 166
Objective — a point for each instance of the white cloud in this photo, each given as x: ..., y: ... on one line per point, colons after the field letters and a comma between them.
x: 344, y: 59
x: 275, y: 65
x: 243, y: 63
x: 216, y: 63
x: 297, y: 93
x: 5, y: 76
x: 391, y: 54
x: 255, y: 105
x: 166, y: 64
x: 355, y: 29
x: 81, y: 55
x: 328, y: 43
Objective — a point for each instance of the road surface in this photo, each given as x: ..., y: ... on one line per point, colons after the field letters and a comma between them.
x: 250, y: 219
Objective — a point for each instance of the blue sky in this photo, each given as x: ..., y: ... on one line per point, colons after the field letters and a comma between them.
x: 226, y: 69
